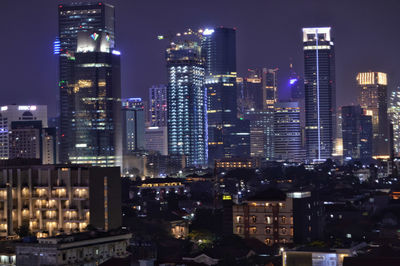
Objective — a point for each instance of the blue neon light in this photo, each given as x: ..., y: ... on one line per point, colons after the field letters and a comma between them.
x: 292, y: 81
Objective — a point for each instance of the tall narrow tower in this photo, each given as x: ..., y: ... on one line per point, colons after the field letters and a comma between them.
x: 187, y: 102
x: 320, y: 93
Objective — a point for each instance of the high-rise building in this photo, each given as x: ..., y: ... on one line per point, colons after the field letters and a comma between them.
x: 53, y: 199
x: 287, y: 132
x: 156, y: 139
x: 95, y: 98
x: 73, y: 18
x: 187, y: 102
x: 252, y: 94
x: 158, y: 106
x: 29, y: 140
x: 133, y: 125
x: 224, y: 129
x: 373, y: 99
x: 11, y: 113
x: 357, y: 134
x: 394, y: 115
x: 320, y: 93
x: 260, y: 124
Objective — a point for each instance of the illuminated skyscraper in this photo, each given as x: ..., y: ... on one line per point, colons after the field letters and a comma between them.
x: 95, y: 102
x: 320, y: 93
x: 394, y: 115
x: 187, y: 102
x: 158, y: 106
x: 73, y: 18
x: 357, y: 134
x: 224, y: 129
x: 373, y: 99
x: 287, y: 132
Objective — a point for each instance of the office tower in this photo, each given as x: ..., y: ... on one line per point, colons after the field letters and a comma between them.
x: 287, y: 132
x: 357, y: 134
x: 158, y: 106
x: 394, y: 116
x: 156, y: 139
x: 11, y: 113
x: 73, y: 18
x: 187, y: 103
x: 224, y: 129
x: 95, y: 102
x: 54, y: 199
x: 320, y: 93
x: 133, y: 124
x: 260, y: 125
x: 373, y: 99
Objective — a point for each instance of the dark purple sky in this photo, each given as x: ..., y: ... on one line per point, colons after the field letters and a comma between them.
x: 366, y: 32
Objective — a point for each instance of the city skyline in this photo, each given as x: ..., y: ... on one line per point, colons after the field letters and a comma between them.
x: 268, y: 43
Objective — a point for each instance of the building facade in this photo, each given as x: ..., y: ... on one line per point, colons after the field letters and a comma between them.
x: 287, y: 132
x: 373, y: 99
x: 156, y: 139
x: 187, y: 103
x: 320, y: 93
x: 59, y: 198
x: 94, y: 18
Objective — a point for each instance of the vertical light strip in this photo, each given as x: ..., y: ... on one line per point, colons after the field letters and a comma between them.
x: 319, y: 127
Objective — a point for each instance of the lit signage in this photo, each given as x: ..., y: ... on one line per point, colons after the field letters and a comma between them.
x: 27, y: 108
x: 94, y: 36
x: 116, y: 52
x: 292, y: 81
x: 4, y: 108
x: 57, y: 47
x: 208, y: 32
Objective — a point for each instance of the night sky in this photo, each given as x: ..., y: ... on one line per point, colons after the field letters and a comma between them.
x: 366, y: 35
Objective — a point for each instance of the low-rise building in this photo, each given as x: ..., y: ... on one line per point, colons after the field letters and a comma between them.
x: 89, y: 248
x: 277, y: 217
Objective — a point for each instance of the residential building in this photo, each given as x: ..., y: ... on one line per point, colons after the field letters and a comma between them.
x: 320, y: 93
x: 58, y: 198
x: 275, y: 217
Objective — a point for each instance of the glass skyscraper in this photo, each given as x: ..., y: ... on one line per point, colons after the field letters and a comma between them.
x: 187, y: 103
x: 320, y: 93
x: 225, y: 132
x: 158, y: 106
x: 74, y: 18
x: 394, y: 114
x: 133, y: 125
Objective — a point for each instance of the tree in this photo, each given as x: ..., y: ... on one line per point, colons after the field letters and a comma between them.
x: 23, y: 230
